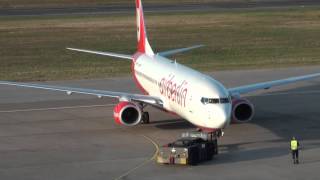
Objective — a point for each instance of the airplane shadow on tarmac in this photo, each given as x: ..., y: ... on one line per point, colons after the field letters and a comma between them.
x: 285, y: 113
x: 290, y: 113
x: 173, y: 124
x: 235, y: 153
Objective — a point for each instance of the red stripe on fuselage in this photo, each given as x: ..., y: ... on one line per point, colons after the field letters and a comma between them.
x: 207, y: 130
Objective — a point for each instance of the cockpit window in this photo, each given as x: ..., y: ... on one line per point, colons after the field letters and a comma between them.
x: 224, y: 100
x: 215, y: 100
x: 205, y: 100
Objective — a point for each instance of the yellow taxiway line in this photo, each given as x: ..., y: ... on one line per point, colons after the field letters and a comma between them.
x: 144, y: 162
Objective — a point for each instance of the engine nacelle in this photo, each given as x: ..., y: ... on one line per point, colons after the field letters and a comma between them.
x: 127, y: 113
x: 242, y: 110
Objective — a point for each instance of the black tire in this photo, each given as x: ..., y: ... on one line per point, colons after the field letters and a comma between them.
x: 216, y: 148
x: 193, y: 159
x: 145, y: 118
x: 210, y: 151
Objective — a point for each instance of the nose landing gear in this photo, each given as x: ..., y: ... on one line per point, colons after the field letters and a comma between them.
x: 218, y: 133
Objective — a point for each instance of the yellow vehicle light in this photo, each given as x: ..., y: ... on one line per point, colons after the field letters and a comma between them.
x: 183, y: 161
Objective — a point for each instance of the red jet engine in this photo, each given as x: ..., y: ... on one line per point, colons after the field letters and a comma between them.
x: 127, y: 113
x: 242, y: 110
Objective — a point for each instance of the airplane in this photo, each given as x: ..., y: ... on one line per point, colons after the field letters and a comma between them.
x: 174, y: 88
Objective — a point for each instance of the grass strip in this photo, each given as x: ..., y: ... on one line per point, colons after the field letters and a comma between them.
x: 33, y: 48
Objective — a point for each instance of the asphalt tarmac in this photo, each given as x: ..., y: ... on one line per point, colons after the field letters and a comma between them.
x: 49, y: 135
x: 156, y: 8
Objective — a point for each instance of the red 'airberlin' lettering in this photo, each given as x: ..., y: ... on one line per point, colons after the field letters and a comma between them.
x: 176, y: 92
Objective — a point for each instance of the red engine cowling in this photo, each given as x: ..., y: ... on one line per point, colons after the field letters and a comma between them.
x: 242, y: 110
x: 127, y: 113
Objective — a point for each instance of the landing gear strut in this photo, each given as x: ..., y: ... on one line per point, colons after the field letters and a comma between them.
x: 145, y: 118
x: 145, y: 115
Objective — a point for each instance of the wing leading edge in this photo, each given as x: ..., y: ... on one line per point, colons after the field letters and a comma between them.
x: 111, y: 54
x: 129, y: 57
x: 176, y: 51
x: 99, y: 93
x: 267, y: 85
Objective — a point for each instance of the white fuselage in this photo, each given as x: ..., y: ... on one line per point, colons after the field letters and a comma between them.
x: 190, y: 94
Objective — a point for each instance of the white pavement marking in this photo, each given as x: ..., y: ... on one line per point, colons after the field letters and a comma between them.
x: 56, y: 108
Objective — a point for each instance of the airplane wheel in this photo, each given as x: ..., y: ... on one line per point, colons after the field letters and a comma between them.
x: 145, y: 118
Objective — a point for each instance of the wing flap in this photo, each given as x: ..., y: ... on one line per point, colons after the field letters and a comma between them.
x: 270, y: 84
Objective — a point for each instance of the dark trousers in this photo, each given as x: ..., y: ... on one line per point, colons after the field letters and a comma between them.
x: 295, y: 154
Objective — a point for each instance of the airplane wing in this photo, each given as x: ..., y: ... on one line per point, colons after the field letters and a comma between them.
x: 122, y: 56
x: 267, y: 85
x: 99, y: 93
x: 129, y: 57
x: 176, y: 51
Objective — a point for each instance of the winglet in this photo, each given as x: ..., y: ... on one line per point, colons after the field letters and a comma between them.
x: 143, y: 44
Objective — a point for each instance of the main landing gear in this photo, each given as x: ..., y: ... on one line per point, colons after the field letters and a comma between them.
x: 145, y: 118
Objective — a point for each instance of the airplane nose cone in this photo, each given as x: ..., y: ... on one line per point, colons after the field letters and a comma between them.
x: 224, y: 117
x: 221, y: 117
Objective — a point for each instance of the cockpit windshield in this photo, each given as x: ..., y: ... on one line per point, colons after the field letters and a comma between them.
x: 215, y: 100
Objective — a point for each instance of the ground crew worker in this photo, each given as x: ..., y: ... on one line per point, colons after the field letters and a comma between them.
x: 294, y: 144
